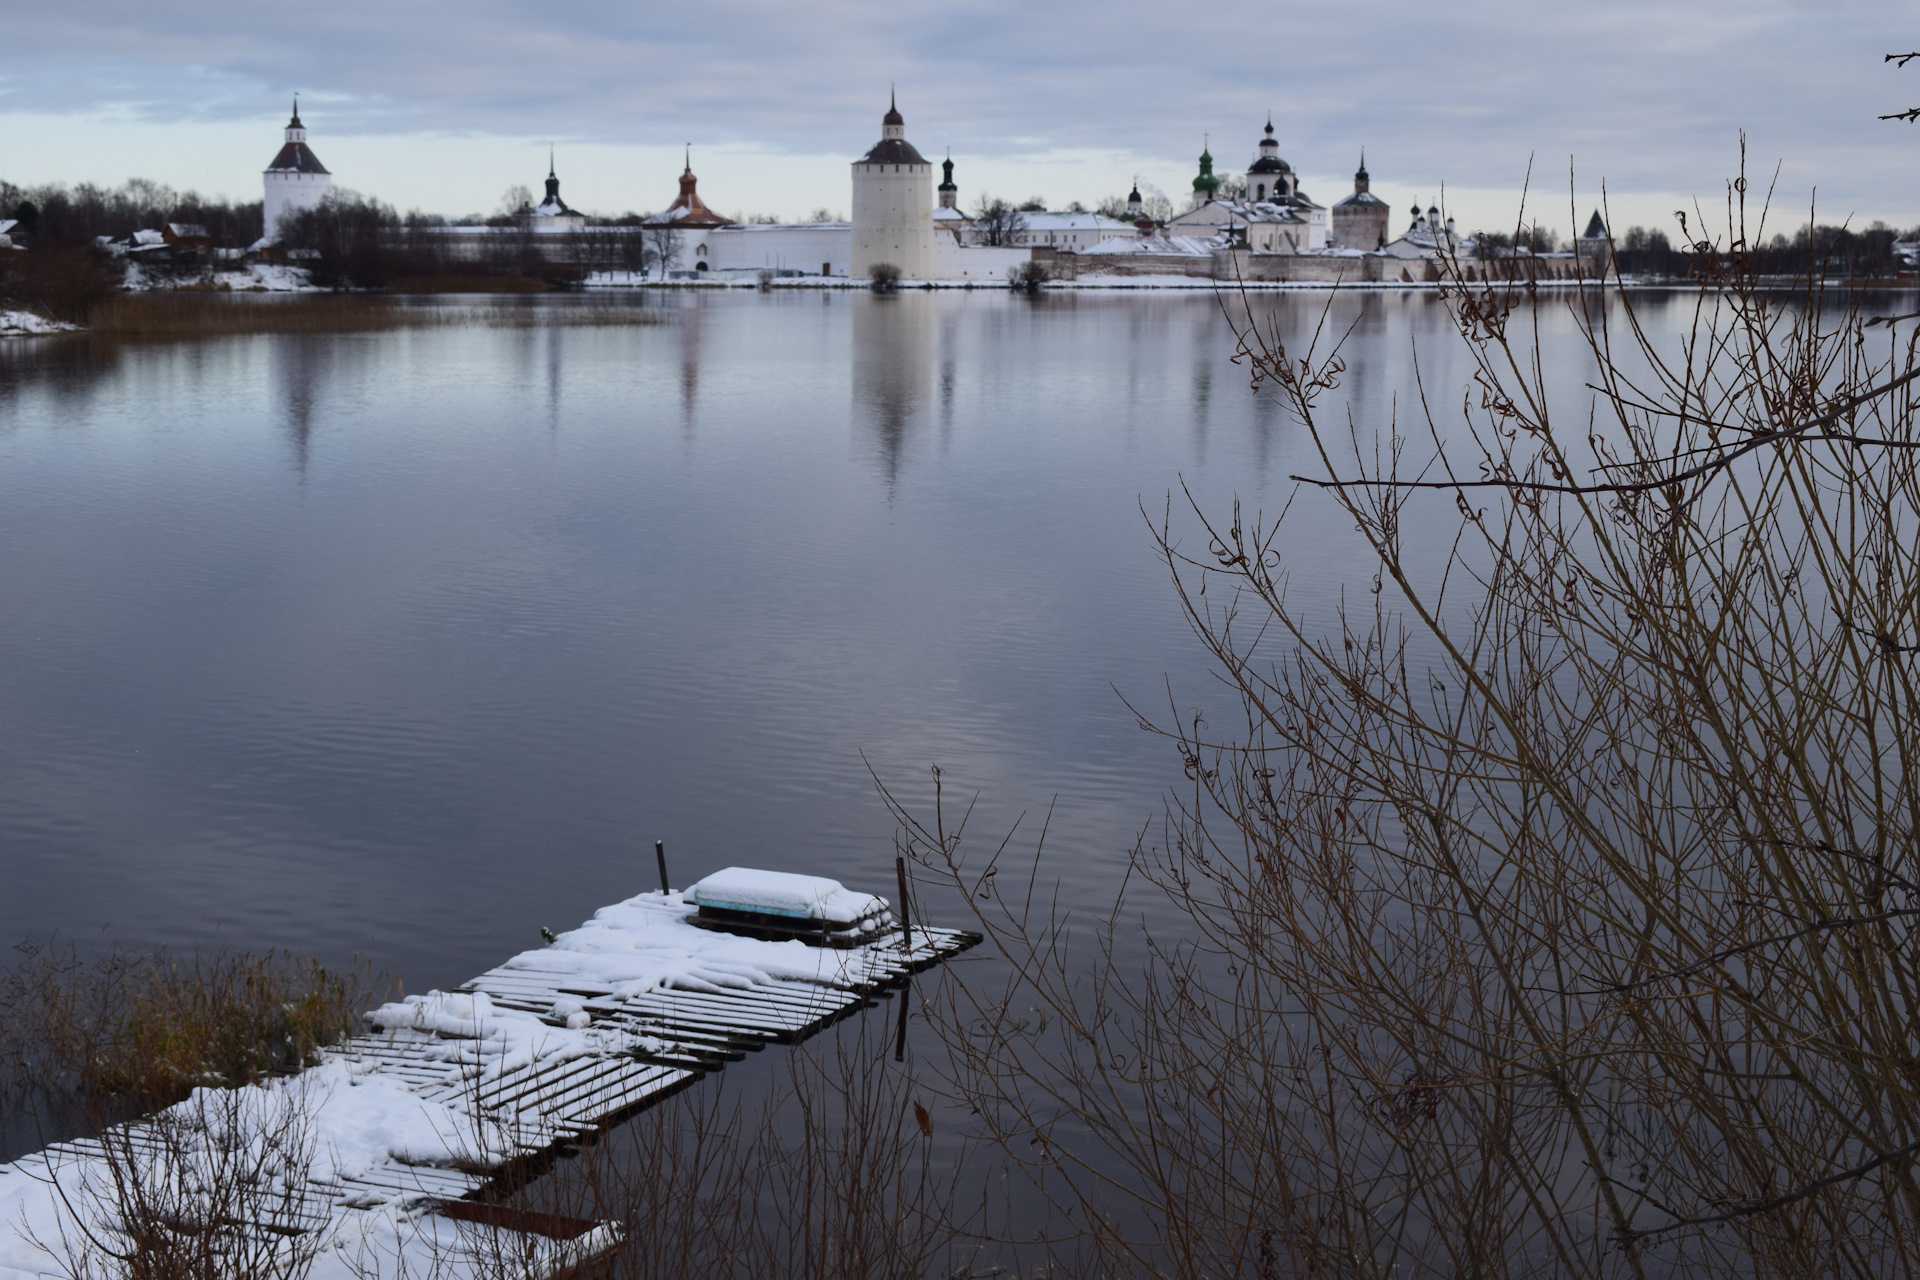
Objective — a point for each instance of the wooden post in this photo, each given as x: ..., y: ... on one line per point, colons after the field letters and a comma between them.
x: 900, y: 1037
x: 660, y: 853
x: 906, y: 928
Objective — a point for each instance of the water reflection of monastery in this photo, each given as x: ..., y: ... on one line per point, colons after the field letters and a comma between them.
x: 893, y: 342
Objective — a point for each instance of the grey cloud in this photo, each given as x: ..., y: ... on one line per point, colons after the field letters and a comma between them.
x: 1647, y: 94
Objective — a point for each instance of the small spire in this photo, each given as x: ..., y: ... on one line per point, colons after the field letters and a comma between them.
x: 689, y: 164
x: 550, y: 160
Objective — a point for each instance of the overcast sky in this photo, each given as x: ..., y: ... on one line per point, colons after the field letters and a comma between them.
x: 441, y: 106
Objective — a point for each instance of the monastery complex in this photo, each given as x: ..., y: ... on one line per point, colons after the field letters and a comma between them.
x: 1260, y: 227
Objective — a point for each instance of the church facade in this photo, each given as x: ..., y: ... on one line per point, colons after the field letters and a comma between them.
x: 1274, y: 216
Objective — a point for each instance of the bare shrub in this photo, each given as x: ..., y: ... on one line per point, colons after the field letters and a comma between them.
x: 1551, y: 911
x: 60, y: 282
x: 214, y: 1188
x: 833, y: 1174
x: 1028, y: 277
x: 885, y: 277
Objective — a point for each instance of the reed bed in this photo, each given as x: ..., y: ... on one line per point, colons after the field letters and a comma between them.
x: 177, y: 315
x: 125, y: 1033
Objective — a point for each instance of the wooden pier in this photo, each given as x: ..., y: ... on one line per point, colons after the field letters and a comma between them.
x: 544, y: 1051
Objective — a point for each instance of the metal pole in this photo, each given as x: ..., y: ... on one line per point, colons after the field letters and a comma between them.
x: 660, y: 854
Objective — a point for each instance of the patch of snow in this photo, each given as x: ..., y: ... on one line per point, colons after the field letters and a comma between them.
x: 649, y: 942
x: 358, y: 1119
x: 479, y: 1033
x: 21, y: 323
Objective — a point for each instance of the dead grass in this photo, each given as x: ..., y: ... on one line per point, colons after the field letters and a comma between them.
x: 125, y: 1033
x: 467, y: 284
x: 178, y: 315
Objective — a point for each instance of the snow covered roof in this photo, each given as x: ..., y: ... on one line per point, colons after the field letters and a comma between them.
x: 187, y: 231
x: 1168, y: 247
x: 1421, y: 240
x: 1042, y: 220
x: 943, y: 214
x: 1267, y: 211
x: 759, y: 228
x: 8, y: 224
x: 148, y: 237
x: 1361, y: 199
x: 1217, y: 213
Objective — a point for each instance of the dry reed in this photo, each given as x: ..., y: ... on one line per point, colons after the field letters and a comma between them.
x: 126, y: 1034
x: 189, y: 315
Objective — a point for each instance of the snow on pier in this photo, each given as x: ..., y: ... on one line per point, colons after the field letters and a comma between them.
x: 404, y: 1133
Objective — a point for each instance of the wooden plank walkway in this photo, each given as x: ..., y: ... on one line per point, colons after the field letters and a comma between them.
x: 566, y: 1042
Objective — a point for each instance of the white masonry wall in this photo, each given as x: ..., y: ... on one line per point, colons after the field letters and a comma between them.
x: 893, y: 219
x: 289, y: 193
x: 805, y: 247
x: 954, y: 261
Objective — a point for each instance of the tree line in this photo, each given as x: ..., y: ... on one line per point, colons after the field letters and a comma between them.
x: 55, y: 215
x: 1835, y: 251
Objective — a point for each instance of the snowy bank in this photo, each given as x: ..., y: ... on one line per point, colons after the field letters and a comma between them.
x: 14, y: 324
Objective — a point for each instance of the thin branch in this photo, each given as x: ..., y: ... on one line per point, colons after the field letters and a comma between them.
x: 1881, y: 638
x: 1747, y: 1208
x: 1733, y: 454
x: 1828, y: 925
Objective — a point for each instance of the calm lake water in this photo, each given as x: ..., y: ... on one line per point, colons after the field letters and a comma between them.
x: 407, y: 644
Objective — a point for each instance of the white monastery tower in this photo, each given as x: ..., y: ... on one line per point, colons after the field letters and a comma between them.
x: 893, y: 204
x: 296, y: 180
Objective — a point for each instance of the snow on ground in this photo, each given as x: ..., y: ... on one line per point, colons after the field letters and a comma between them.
x: 359, y: 1117
x: 1101, y: 281
x: 21, y: 323
x: 259, y: 277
